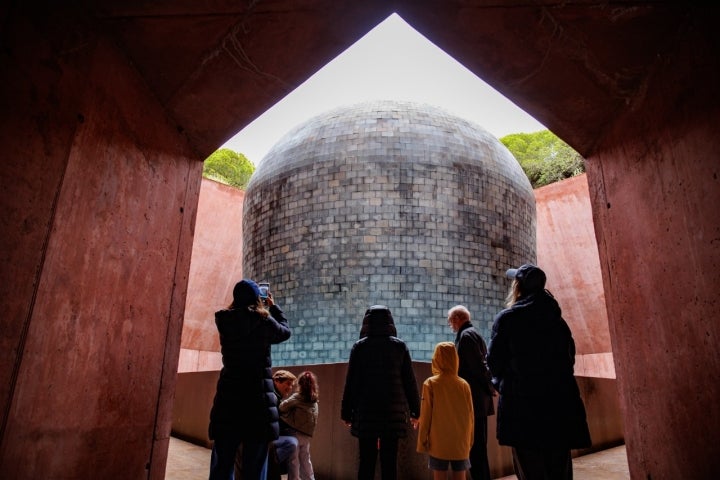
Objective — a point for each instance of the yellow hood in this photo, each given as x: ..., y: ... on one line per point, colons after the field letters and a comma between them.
x: 445, y: 359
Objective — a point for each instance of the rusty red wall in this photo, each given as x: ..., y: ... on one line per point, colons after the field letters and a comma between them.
x: 98, y: 206
x: 567, y: 251
x: 656, y: 209
x: 215, y: 267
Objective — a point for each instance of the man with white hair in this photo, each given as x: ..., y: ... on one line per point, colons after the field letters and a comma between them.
x: 472, y: 352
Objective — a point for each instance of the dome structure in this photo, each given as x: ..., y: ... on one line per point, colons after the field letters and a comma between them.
x: 391, y: 203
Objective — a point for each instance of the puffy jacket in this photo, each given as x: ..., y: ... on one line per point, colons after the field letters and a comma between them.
x: 531, y: 357
x: 380, y: 388
x: 245, y: 401
x: 446, y: 427
x: 299, y: 414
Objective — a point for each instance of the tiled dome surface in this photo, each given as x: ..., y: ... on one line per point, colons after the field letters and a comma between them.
x: 389, y: 203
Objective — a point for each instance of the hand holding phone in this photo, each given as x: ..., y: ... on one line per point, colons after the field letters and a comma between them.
x: 264, y: 289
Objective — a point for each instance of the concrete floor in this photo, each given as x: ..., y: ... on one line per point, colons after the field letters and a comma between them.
x: 187, y: 461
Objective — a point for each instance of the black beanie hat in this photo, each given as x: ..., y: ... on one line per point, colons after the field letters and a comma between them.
x: 246, y: 292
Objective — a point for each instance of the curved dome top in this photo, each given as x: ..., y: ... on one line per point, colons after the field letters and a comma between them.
x: 385, y: 203
x: 413, y: 131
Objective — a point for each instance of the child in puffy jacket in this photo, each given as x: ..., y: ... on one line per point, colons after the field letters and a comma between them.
x: 446, y: 424
x: 300, y: 412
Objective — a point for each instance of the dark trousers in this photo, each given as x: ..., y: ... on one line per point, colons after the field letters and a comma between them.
x: 479, y: 465
x: 222, y: 458
x: 544, y: 464
x: 369, y: 447
x: 275, y: 470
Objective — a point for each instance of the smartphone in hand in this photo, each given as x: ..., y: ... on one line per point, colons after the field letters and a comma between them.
x: 264, y: 289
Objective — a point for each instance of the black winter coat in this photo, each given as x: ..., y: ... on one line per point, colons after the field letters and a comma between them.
x: 531, y: 357
x: 245, y: 401
x: 472, y: 353
x: 380, y: 388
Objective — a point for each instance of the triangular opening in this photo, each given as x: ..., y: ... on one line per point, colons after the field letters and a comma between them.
x: 393, y: 61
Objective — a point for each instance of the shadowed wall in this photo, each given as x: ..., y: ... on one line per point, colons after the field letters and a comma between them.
x: 98, y: 206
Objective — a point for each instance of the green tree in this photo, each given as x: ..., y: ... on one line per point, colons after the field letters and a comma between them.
x: 544, y: 157
x: 228, y: 167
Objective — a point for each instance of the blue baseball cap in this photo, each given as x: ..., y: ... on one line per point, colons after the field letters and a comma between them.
x: 529, y: 276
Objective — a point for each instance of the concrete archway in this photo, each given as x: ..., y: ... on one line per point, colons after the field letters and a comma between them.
x: 108, y: 109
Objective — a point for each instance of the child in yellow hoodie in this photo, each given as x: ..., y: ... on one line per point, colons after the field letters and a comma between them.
x: 446, y: 425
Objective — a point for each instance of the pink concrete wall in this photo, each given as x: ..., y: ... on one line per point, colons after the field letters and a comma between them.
x: 567, y: 251
x: 655, y: 204
x: 215, y: 267
x: 97, y: 231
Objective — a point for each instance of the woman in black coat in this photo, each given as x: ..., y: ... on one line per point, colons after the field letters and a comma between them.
x: 531, y: 357
x: 380, y: 393
x: 244, y: 410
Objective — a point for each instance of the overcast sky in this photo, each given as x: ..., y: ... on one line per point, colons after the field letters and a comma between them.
x: 391, y: 62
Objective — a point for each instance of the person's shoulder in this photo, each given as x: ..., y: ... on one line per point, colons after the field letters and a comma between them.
x: 503, y: 316
x: 225, y: 312
x: 549, y: 302
x: 470, y: 331
x: 508, y: 311
x: 398, y: 343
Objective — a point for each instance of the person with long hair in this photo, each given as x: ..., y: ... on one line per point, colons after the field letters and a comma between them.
x: 300, y: 412
x: 244, y: 411
x: 531, y: 358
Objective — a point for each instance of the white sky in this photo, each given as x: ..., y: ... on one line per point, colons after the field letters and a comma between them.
x: 391, y: 62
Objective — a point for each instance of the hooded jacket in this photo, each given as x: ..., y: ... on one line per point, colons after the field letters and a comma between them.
x: 531, y: 357
x: 380, y: 387
x: 446, y: 427
x: 299, y: 414
x: 245, y: 402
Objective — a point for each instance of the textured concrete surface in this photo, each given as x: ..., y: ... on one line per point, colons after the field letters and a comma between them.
x: 92, y: 341
x: 215, y: 267
x: 567, y: 251
x: 659, y: 244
